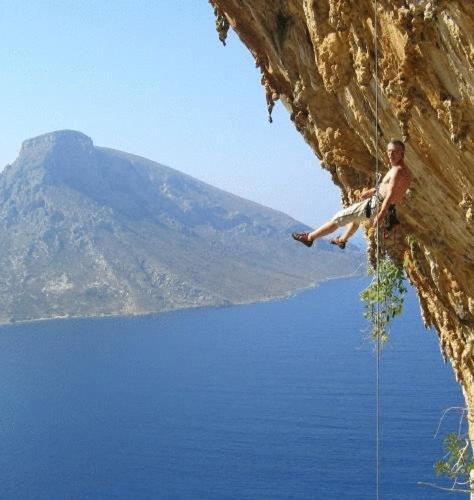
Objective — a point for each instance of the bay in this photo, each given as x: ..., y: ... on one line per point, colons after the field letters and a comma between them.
x: 269, y: 400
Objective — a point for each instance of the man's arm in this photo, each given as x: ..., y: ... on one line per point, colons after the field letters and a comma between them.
x: 367, y: 194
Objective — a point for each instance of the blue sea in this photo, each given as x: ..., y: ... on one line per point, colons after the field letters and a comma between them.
x: 266, y: 401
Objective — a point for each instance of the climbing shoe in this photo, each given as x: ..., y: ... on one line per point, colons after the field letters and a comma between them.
x: 337, y: 241
x: 303, y: 238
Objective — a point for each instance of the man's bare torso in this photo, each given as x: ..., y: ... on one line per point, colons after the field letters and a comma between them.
x: 399, y: 179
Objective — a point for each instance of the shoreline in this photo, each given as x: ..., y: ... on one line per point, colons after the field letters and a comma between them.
x: 288, y: 295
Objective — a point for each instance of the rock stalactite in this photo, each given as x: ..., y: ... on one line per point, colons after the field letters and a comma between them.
x: 318, y: 57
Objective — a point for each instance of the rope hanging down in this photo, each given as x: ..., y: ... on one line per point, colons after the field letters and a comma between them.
x: 377, y: 250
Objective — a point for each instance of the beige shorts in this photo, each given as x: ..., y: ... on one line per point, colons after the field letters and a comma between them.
x: 357, y: 212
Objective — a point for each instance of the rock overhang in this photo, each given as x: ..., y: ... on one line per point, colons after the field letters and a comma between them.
x: 318, y: 57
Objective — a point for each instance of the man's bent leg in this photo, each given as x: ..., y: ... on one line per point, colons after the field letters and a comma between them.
x: 350, y: 215
x: 351, y: 229
x: 308, y: 238
x: 341, y: 241
x: 327, y: 228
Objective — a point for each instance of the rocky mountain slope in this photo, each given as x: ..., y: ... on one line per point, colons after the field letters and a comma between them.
x: 86, y: 230
x: 318, y: 57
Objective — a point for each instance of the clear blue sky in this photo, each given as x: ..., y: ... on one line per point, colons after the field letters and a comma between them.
x: 150, y: 77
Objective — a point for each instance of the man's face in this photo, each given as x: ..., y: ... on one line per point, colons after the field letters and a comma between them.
x: 395, y: 154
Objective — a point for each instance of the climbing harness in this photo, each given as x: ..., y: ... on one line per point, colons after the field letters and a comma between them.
x: 390, y: 223
x: 391, y: 219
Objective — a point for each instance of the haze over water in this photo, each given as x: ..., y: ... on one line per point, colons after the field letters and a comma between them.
x: 272, y: 400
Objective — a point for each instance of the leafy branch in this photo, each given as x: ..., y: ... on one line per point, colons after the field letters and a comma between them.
x: 383, y: 298
x: 458, y: 461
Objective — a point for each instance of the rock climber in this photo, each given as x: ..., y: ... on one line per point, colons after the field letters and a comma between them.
x: 392, y: 189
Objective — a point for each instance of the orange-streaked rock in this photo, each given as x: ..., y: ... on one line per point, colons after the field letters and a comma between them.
x: 318, y: 57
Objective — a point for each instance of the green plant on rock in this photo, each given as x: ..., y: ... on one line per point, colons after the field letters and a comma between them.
x: 383, y: 298
x: 458, y: 461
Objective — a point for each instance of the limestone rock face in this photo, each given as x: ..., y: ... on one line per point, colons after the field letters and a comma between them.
x: 319, y: 58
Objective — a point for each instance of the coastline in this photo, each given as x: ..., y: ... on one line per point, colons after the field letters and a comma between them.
x: 285, y: 296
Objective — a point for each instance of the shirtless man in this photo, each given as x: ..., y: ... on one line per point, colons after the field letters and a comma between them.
x: 391, y: 190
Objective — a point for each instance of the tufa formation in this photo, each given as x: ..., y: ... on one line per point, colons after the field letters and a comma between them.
x: 318, y: 58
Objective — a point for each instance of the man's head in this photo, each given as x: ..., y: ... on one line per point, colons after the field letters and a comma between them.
x: 395, y: 151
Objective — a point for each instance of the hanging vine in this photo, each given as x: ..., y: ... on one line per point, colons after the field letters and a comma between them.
x: 387, y: 291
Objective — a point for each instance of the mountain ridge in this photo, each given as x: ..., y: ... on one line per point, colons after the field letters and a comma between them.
x: 92, y: 231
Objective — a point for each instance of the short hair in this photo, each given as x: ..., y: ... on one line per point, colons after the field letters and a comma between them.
x: 397, y: 142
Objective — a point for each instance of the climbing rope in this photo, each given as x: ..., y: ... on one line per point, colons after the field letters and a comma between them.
x: 377, y: 250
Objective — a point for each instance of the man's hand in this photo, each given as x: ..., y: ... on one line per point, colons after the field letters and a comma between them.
x: 367, y: 194
x: 379, y: 217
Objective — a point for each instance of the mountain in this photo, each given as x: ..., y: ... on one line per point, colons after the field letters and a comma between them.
x: 87, y: 230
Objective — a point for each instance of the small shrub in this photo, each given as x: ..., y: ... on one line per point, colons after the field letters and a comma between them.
x: 383, y: 298
x: 458, y: 461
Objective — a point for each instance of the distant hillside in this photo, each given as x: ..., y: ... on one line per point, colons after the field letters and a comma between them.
x: 87, y: 230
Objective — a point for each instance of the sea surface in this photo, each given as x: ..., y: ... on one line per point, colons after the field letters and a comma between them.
x: 267, y: 401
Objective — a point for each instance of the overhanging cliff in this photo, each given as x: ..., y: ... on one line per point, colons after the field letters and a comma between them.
x: 318, y: 57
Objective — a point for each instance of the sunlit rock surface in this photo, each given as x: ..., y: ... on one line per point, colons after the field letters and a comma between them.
x: 318, y: 57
